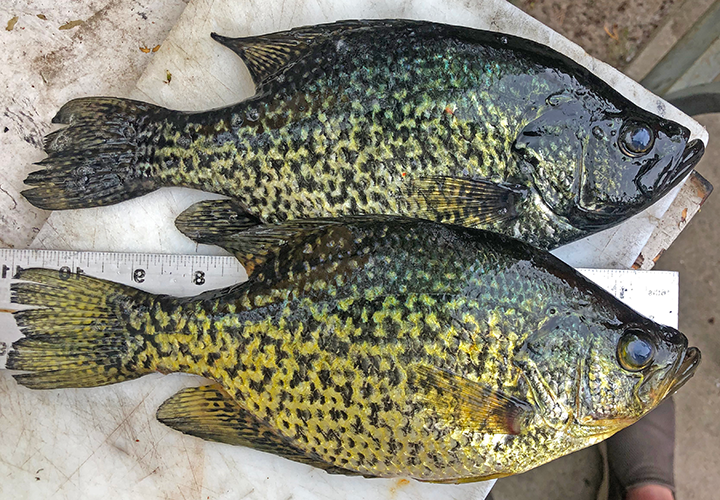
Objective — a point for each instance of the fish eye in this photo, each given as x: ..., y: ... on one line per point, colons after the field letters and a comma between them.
x: 635, y: 350
x: 636, y: 139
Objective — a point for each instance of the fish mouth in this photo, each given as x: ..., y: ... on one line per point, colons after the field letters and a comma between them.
x: 653, y: 182
x: 694, y: 150
x: 685, y: 370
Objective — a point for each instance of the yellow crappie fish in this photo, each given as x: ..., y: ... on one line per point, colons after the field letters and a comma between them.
x: 400, y: 117
x: 374, y: 346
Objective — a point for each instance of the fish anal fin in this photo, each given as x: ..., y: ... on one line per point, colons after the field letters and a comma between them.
x: 210, y: 413
x: 469, y: 404
x: 464, y: 201
x: 465, y: 480
x: 214, y: 222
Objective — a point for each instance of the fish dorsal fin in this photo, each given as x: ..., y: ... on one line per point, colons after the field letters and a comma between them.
x: 266, y: 55
x: 300, y: 244
x: 464, y: 201
x: 226, y: 224
x: 265, y: 244
x: 299, y: 241
x: 254, y: 248
x: 210, y: 413
x: 212, y: 222
x: 470, y: 404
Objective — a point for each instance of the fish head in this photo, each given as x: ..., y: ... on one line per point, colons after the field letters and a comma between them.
x: 595, y: 164
x: 594, y: 374
x: 630, y: 161
x: 629, y: 370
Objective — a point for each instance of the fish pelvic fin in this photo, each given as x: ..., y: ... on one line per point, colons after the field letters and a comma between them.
x: 101, y: 158
x: 210, y: 413
x: 86, y: 332
x: 214, y: 222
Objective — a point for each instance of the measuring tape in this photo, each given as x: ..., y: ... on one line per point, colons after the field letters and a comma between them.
x: 182, y: 275
x: 652, y: 293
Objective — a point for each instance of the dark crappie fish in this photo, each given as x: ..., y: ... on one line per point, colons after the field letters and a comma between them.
x: 410, y: 118
x: 375, y: 346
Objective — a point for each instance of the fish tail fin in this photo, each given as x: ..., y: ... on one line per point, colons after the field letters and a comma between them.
x: 86, y: 332
x: 102, y: 157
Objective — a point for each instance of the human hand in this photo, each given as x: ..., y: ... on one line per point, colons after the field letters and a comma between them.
x: 650, y: 492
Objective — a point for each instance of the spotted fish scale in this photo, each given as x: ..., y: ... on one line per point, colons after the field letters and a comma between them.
x: 356, y: 407
x: 332, y: 156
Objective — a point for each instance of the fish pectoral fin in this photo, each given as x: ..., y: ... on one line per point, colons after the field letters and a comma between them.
x: 470, y: 404
x: 468, y: 202
x: 210, y: 413
x: 214, y: 222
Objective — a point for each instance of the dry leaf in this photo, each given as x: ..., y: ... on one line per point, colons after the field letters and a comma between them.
x: 70, y: 25
x: 11, y: 23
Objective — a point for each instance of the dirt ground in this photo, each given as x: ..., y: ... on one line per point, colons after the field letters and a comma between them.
x: 611, y: 30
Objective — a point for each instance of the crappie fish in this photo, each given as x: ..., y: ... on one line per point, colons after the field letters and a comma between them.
x: 375, y: 346
x: 409, y: 118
